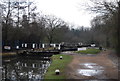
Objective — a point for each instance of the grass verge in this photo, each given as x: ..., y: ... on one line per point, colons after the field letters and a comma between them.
x: 60, y: 64
x: 89, y: 51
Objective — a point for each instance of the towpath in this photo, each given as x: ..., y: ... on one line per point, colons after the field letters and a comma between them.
x: 89, y: 66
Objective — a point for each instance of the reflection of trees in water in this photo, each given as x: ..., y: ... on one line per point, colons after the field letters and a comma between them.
x: 25, y: 69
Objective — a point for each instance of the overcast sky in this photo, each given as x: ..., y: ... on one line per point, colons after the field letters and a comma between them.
x: 68, y: 10
x: 71, y: 11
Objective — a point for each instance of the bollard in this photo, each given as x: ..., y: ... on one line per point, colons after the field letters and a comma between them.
x: 22, y: 45
x: 57, y: 71
x: 33, y: 46
x: 17, y: 47
x: 43, y: 45
x: 61, y: 57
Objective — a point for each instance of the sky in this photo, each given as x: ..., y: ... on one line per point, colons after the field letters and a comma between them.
x: 71, y: 11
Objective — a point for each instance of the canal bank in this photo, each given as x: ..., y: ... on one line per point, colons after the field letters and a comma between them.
x: 17, y: 67
x: 60, y: 64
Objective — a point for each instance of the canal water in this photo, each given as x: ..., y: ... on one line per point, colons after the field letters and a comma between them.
x: 24, y: 68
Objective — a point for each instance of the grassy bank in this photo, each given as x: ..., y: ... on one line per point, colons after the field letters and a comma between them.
x: 89, y: 51
x: 60, y: 64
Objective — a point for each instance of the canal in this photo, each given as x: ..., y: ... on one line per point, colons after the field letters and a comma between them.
x: 20, y: 68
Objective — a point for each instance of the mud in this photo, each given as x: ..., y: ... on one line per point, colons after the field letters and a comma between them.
x: 92, y: 67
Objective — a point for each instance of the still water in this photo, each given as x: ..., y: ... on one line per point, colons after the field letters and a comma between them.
x: 24, y: 68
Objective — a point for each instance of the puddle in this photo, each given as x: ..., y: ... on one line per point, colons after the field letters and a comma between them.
x: 88, y: 63
x: 91, y: 66
x: 95, y: 80
x: 89, y: 72
x: 91, y: 69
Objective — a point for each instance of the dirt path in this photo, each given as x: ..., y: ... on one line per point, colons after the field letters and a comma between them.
x: 92, y: 67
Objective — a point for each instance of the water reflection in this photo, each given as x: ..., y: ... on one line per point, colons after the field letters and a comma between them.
x: 89, y: 72
x: 24, y: 69
x: 92, y: 70
x: 91, y: 66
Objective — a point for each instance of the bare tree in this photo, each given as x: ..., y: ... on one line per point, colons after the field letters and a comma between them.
x: 52, y: 23
x: 110, y: 12
x: 6, y: 20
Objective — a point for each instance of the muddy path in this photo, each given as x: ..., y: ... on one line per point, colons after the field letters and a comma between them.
x: 98, y: 66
